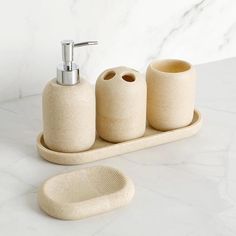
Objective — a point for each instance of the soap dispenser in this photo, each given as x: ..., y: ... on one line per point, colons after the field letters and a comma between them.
x: 69, y: 106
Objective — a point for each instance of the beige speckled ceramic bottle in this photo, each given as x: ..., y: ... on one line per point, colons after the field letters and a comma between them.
x: 171, y: 94
x: 120, y: 104
x: 69, y: 107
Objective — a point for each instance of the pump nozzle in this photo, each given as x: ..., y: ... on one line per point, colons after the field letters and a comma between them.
x: 68, y: 72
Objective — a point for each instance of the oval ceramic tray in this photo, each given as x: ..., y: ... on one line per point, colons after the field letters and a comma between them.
x: 86, y: 192
x: 103, y: 149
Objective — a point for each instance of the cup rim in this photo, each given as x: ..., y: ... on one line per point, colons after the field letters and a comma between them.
x: 159, y: 61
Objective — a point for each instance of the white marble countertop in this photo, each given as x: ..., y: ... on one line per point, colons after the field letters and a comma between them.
x: 182, y: 188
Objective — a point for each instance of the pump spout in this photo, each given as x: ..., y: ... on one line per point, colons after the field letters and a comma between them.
x: 68, y: 71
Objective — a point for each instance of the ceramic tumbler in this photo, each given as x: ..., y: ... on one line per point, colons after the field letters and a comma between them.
x: 121, y: 95
x: 170, y: 94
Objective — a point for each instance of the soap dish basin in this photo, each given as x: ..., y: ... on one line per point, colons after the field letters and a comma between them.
x: 85, y: 192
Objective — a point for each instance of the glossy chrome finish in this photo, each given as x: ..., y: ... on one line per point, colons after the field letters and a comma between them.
x: 86, y: 43
x: 67, y: 71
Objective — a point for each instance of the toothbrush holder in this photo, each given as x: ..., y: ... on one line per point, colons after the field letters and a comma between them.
x: 121, y: 95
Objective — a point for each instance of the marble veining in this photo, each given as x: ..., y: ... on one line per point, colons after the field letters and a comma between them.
x: 182, y: 188
x: 129, y: 32
x: 187, y: 18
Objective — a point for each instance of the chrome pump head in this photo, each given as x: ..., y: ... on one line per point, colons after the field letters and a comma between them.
x: 68, y: 71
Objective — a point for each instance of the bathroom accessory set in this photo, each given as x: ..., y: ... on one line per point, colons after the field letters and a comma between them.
x: 131, y: 113
x: 122, y: 97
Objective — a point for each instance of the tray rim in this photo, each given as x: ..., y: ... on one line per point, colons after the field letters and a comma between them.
x: 83, y: 157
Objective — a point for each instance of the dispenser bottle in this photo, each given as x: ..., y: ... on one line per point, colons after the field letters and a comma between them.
x: 69, y: 106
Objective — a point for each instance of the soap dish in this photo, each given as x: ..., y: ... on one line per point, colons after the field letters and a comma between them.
x: 103, y: 149
x: 85, y: 192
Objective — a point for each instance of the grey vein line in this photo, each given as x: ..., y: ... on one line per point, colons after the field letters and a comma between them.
x: 187, y: 18
x: 218, y: 110
x: 176, y: 199
x: 227, y: 36
x: 5, y: 109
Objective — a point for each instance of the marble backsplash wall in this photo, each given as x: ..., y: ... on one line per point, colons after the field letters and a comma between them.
x: 130, y: 32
